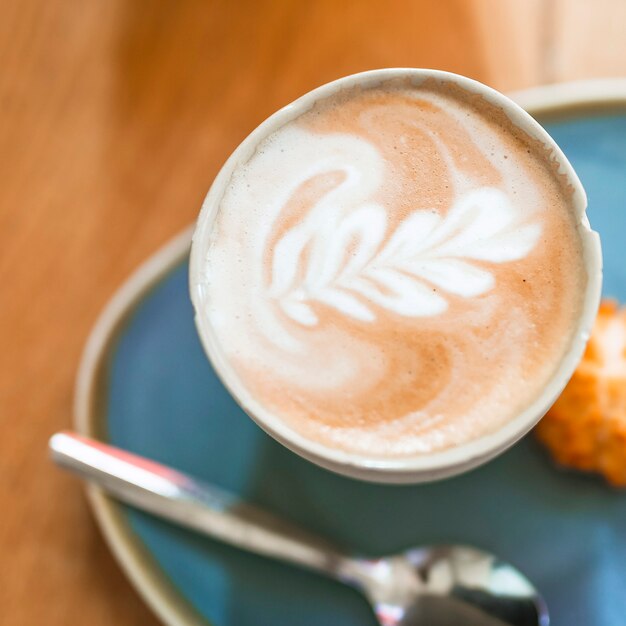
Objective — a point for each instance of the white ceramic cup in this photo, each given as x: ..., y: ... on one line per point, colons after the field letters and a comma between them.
x: 418, y: 468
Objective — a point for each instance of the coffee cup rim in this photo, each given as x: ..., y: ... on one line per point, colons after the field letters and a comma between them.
x: 422, y: 467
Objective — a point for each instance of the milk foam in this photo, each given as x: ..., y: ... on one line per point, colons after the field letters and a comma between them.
x: 394, y: 273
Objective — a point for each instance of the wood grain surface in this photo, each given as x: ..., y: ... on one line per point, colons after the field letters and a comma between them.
x: 115, y: 116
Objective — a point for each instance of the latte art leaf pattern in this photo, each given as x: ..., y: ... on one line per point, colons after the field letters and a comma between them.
x: 361, y: 267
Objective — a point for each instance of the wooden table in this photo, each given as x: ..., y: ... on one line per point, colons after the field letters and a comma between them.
x: 114, y: 117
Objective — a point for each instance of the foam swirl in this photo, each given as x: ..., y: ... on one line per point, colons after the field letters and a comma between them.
x: 426, y: 248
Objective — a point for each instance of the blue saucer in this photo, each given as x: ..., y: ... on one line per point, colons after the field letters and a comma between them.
x: 566, y: 531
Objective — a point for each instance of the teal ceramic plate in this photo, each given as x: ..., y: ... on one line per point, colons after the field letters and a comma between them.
x: 146, y: 385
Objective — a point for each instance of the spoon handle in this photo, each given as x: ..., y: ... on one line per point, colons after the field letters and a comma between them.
x: 184, y: 500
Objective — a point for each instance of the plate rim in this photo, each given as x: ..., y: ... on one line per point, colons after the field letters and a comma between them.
x: 147, y: 578
x: 149, y: 581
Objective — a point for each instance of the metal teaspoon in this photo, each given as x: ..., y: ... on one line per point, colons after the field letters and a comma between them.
x: 424, y: 586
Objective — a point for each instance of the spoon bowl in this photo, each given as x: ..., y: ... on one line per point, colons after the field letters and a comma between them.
x: 444, y: 585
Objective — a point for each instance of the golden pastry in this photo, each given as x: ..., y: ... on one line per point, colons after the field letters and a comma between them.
x: 586, y: 427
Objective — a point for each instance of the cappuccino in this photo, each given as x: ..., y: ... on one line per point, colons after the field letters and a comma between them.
x: 394, y: 272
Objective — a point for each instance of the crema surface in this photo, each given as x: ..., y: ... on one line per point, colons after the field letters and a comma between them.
x: 395, y: 272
